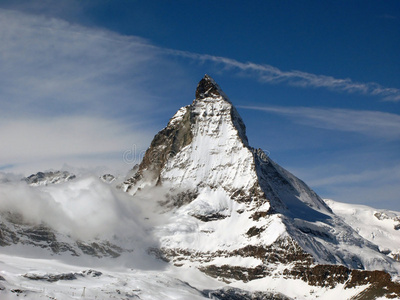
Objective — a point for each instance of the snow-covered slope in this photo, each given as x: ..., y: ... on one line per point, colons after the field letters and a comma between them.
x: 50, y: 279
x: 379, y: 226
x: 33, y: 279
x: 50, y: 177
x: 234, y: 213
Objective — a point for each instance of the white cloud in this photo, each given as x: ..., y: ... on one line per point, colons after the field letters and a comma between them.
x: 50, y: 138
x: 84, y: 208
x: 270, y: 74
x: 126, y: 52
x: 68, y: 91
x: 49, y: 62
x: 369, y: 123
x: 380, y: 176
x: 371, y: 183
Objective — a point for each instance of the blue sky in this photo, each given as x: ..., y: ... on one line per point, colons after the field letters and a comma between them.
x: 86, y: 83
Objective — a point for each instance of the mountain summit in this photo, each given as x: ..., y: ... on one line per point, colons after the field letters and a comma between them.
x: 198, y: 135
x: 236, y: 214
x: 208, y: 88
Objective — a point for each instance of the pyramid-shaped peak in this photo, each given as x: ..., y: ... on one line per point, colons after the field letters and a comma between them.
x: 208, y: 88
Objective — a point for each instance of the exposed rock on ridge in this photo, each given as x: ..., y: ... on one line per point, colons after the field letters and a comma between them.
x: 45, y: 178
x: 165, y: 144
x: 208, y: 88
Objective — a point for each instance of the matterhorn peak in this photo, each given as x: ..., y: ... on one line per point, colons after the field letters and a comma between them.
x: 210, y: 126
x: 236, y: 212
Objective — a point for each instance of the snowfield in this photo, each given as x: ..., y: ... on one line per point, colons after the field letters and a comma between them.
x: 27, y: 277
x: 379, y: 226
x: 30, y: 278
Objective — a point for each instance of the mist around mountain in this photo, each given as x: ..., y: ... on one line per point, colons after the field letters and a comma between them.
x: 204, y: 215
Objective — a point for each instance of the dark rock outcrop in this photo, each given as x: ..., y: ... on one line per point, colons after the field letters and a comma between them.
x: 238, y: 294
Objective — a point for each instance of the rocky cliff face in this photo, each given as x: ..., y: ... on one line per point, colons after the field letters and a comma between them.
x: 236, y: 214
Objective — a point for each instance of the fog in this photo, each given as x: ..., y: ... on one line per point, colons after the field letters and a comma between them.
x: 85, y: 208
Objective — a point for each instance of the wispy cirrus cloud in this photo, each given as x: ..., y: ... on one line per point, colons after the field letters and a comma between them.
x: 388, y: 16
x: 70, y: 92
x: 373, y: 185
x: 132, y: 50
x: 270, y: 74
x: 370, y: 123
x: 367, y: 190
x: 49, y: 63
x: 375, y: 176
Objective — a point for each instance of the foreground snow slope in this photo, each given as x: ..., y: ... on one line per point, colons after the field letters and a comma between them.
x: 51, y: 279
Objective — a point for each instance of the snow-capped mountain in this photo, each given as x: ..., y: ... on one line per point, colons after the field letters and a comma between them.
x: 236, y: 214
x: 204, y: 216
x: 50, y: 177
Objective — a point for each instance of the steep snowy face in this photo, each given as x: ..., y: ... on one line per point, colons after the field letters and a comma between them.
x: 218, y: 155
x: 203, y: 146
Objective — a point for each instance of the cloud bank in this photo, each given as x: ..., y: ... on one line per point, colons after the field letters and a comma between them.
x: 85, y: 208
